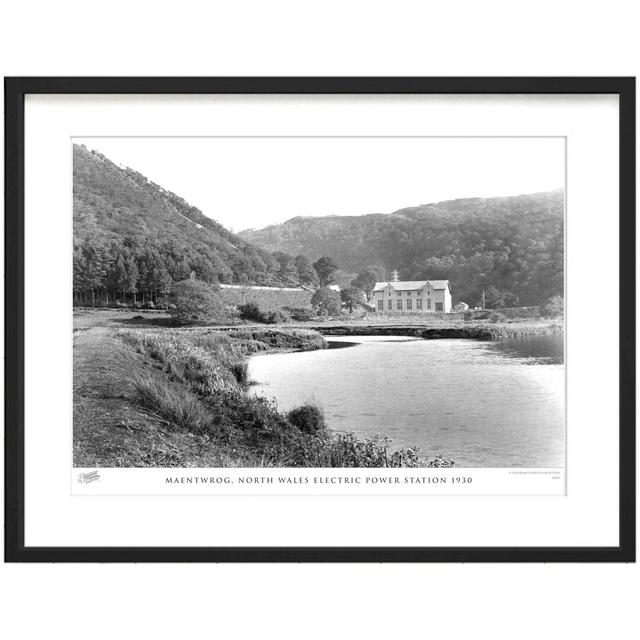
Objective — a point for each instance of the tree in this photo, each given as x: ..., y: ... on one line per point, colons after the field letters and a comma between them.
x: 341, y: 278
x: 184, y: 269
x: 368, y: 277
x: 553, y: 307
x: 287, y: 268
x: 120, y: 277
x: 162, y: 281
x: 93, y: 265
x: 324, y: 267
x: 132, y: 277
x: 496, y: 299
x: 326, y: 302
x: 351, y: 296
x: 196, y: 302
x: 306, y: 273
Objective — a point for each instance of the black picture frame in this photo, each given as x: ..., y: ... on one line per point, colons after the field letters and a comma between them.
x: 15, y: 91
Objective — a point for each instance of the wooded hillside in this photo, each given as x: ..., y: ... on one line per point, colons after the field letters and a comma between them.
x: 513, y: 247
x: 132, y: 239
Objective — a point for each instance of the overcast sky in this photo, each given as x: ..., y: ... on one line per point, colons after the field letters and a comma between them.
x: 253, y: 182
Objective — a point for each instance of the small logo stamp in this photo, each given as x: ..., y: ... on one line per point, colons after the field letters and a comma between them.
x: 90, y: 476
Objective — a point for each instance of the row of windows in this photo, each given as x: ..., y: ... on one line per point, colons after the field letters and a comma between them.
x: 399, y: 293
x: 409, y: 305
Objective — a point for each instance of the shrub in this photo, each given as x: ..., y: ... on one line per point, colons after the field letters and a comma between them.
x: 273, y: 317
x: 240, y: 371
x: 196, y: 302
x: 308, y: 418
x: 250, y: 311
x: 300, y: 314
x: 349, y: 450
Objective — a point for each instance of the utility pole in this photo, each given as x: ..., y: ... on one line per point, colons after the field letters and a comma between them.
x: 483, y: 299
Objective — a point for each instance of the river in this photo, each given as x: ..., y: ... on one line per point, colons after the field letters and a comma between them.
x: 484, y: 404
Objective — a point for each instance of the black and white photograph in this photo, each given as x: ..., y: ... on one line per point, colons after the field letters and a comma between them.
x: 290, y: 302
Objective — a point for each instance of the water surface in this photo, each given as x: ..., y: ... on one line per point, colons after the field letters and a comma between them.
x: 484, y: 404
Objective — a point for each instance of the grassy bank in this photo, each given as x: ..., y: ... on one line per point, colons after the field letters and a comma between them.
x: 197, y: 385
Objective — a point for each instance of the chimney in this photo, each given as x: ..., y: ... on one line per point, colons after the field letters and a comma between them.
x: 394, y: 276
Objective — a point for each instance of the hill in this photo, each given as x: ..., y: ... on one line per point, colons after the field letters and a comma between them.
x: 133, y: 239
x: 511, y: 246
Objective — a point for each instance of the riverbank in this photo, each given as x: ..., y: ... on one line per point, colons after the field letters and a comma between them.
x: 497, y: 331
x: 166, y: 397
x: 429, y: 327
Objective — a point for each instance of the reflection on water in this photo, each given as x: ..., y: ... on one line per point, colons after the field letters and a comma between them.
x: 532, y: 349
x: 485, y: 404
x: 339, y: 344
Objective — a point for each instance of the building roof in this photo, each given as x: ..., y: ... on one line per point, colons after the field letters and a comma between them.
x: 440, y: 284
x: 412, y: 285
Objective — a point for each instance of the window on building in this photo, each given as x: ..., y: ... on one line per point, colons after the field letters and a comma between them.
x: 418, y: 304
x: 380, y: 305
x: 419, y: 293
x: 408, y: 293
x: 399, y: 307
x: 438, y: 306
x: 399, y: 293
x: 390, y: 304
x: 409, y: 305
x: 428, y: 303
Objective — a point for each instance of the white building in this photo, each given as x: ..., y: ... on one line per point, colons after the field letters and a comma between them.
x: 412, y: 296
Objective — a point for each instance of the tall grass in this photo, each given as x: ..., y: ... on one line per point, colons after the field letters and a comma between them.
x: 202, y: 364
x: 173, y: 402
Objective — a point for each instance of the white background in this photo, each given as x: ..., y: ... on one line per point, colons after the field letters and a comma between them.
x: 332, y: 38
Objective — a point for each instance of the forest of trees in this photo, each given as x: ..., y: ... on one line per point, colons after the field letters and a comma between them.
x: 512, y: 247
x: 132, y: 240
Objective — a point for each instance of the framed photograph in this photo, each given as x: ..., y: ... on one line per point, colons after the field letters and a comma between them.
x: 320, y: 319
